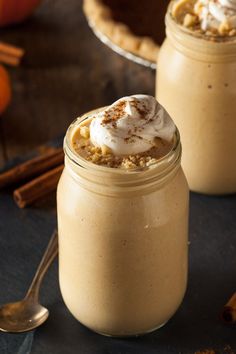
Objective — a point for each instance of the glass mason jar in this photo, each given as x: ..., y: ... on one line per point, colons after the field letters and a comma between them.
x: 122, y: 242
x: 196, y: 83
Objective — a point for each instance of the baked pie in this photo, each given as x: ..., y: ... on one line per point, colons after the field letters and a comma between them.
x: 136, y: 26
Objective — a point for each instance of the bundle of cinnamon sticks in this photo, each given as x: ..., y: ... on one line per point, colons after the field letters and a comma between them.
x: 34, y: 178
x: 10, y: 54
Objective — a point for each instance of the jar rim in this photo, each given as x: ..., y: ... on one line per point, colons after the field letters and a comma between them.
x: 210, y: 41
x: 81, y: 162
x: 117, y: 181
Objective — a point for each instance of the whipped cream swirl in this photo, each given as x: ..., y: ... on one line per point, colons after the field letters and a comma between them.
x: 215, y: 13
x: 130, y: 125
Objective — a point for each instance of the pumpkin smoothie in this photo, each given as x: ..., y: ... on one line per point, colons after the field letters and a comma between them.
x: 123, y: 218
x: 196, y: 83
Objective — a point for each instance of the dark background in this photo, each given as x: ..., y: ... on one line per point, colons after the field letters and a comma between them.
x: 67, y: 71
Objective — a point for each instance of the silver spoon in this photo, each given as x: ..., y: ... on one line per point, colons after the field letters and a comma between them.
x: 27, y: 314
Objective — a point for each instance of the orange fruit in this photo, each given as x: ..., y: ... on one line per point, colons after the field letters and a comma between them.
x: 5, y: 89
x: 15, y: 11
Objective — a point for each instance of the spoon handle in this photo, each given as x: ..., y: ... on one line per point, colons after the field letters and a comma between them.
x: 49, y: 255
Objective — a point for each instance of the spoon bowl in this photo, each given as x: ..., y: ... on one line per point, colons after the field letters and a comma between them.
x: 22, y: 316
x: 27, y: 314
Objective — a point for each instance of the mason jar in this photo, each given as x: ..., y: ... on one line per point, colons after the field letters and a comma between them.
x: 196, y: 83
x: 123, y: 241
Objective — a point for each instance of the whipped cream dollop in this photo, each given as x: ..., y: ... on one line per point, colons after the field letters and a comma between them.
x: 130, y: 125
x: 216, y: 14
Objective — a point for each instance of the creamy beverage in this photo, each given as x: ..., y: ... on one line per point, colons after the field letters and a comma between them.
x: 123, y: 218
x: 196, y: 82
x: 213, y: 18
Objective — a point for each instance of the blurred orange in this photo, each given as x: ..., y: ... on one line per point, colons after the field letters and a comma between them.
x: 5, y: 89
x: 14, y: 11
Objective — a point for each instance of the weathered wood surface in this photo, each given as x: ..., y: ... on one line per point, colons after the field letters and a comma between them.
x: 66, y: 71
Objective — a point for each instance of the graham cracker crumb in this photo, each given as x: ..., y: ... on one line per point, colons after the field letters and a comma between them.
x: 84, y: 132
x: 188, y: 14
x: 104, y: 157
x: 189, y: 20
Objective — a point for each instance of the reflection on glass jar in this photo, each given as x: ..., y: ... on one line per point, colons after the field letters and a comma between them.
x: 196, y: 83
x: 122, y: 242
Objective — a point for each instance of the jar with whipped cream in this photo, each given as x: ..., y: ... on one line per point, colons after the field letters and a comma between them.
x: 122, y: 204
x: 196, y: 83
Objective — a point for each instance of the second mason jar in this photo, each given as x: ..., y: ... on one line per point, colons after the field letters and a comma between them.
x: 196, y: 83
x: 123, y: 240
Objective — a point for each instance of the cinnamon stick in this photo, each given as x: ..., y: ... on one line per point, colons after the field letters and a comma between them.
x: 32, y: 168
x: 11, y: 49
x: 38, y: 187
x: 9, y: 59
x: 10, y: 54
x: 228, y: 314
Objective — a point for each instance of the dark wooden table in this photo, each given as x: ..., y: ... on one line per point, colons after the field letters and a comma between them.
x: 66, y: 71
